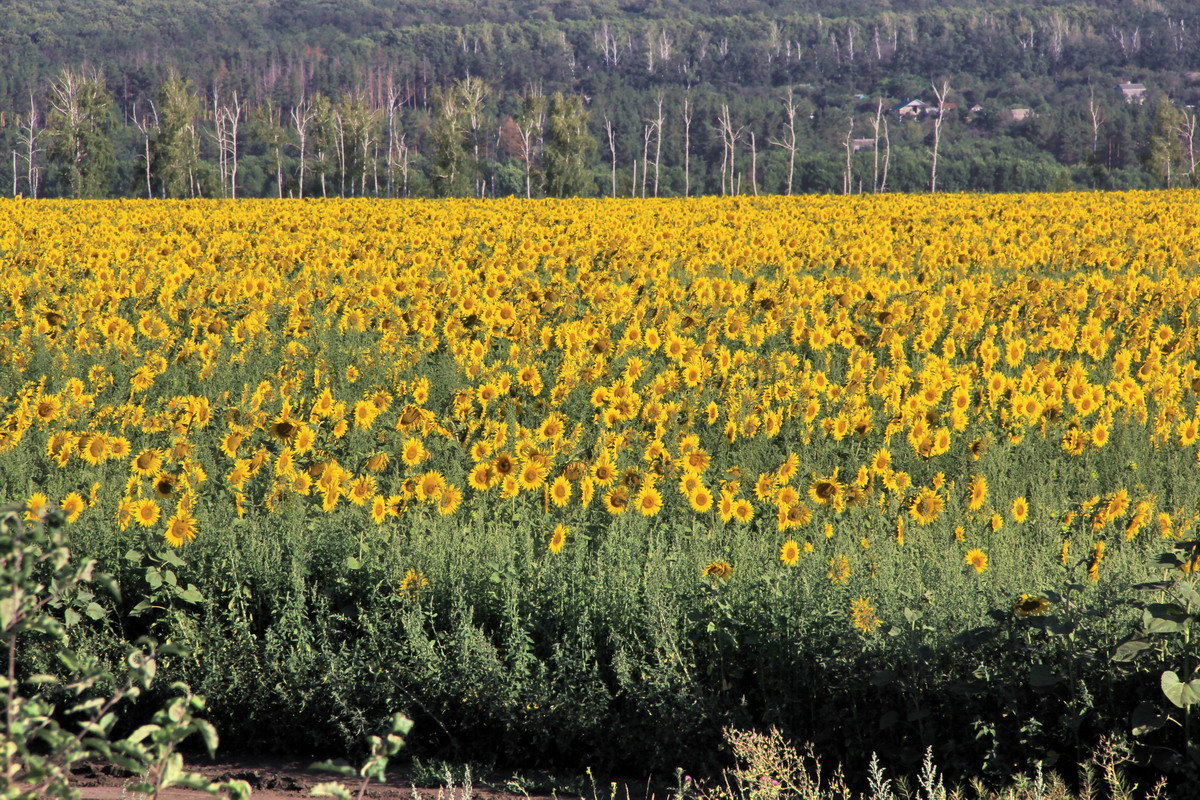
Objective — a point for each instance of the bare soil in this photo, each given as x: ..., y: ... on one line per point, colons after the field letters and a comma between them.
x: 275, y: 779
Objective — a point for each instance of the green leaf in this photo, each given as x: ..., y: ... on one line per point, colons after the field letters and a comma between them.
x: 331, y: 789
x: 142, y: 732
x: 1146, y: 718
x: 8, y: 611
x: 1128, y: 650
x: 95, y: 611
x: 71, y: 617
x: 189, y: 595
x: 1182, y: 694
x: 353, y: 563
x: 208, y: 733
x: 338, y: 767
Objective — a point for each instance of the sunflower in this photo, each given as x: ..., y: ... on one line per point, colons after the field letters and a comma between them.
x: 504, y: 465
x: 146, y: 513
x: 147, y: 462
x: 725, y: 509
x: 742, y: 510
x: 482, y: 477
x: 430, y: 485
x: 450, y: 500
x: 977, y: 559
x: 926, y: 506
x: 412, y: 584
x: 362, y: 489
x: 789, y: 553
x: 701, y: 500
x: 164, y: 484
x: 36, y: 507
x: 717, y: 571
x: 979, y: 491
x: 560, y: 491
x: 282, y: 428
x: 94, y: 448
x: 414, y: 452
x: 73, y: 505
x: 230, y: 443
x: 1020, y: 510
x: 379, y: 509
x: 648, y: 501
x: 181, y: 528
x: 824, y: 490
x: 532, y: 475
x: 558, y: 538
x: 616, y: 500
x: 604, y: 471
x: 1027, y: 605
x: 47, y: 409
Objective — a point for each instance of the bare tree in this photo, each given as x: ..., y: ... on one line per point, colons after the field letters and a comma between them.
x: 145, y: 127
x: 940, y: 94
x: 647, y: 132
x: 530, y: 120
x: 29, y: 138
x: 753, y: 164
x: 659, y: 119
x: 879, y: 126
x: 848, y: 175
x: 687, y: 136
x: 303, y: 115
x: 612, y: 148
x: 729, y: 140
x: 1187, y: 131
x: 226, y: 119
x: 789, y: 144
x: 1097, y: 119
x: 875, y: 126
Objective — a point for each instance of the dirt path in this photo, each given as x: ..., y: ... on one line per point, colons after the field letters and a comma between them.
x: 275, y: 780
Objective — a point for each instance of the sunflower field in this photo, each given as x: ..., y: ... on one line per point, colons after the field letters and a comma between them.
x: 584, y: 479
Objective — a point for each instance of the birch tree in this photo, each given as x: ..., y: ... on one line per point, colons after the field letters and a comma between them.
x: 788, y: 143
x: 79, y: 127
x: 940, y: 94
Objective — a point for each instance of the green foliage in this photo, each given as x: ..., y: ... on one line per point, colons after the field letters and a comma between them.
x: 56, y: 719
x: 382, y: 749
x: 80, y: 126
x: 570, y: 148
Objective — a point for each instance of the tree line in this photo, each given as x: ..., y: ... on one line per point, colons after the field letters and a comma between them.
x: 470, y: 139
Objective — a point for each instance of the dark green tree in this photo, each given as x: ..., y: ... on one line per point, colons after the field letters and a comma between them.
x: 80, y: 126
x: 449, y: 140
x: 569, y: 149
x: 176, y: 149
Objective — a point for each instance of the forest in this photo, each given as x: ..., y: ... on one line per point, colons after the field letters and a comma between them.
x: 653, y: 98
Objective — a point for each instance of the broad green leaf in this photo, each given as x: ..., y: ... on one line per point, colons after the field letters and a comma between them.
x: 1127, y: 651
x: 1146, y: 718
x: 338, y: 767
x: 1182, y: 694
